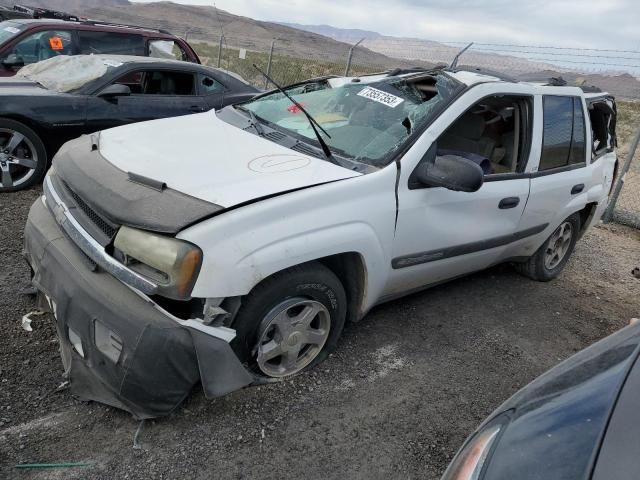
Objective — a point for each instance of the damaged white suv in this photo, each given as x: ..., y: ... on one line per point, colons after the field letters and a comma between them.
x: 230, y: 247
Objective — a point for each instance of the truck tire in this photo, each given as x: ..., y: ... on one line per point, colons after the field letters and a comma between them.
x: 23, y: 157
x: 291, y: 321
x: 550, y: 259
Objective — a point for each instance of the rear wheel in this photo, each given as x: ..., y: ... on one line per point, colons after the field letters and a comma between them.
x: 291, y: 321
x: 551, y: 258
x: 23, y: 158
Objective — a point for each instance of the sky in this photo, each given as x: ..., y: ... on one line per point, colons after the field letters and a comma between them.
x: 606, y: 24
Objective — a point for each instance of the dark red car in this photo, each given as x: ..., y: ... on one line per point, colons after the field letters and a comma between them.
x: 26, y: 41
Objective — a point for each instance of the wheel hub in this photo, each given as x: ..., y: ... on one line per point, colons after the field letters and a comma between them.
x: 18, y: 158
x: 291, y: 336
x: 558, y: 245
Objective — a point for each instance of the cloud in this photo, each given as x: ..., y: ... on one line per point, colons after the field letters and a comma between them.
x: 573, y: 23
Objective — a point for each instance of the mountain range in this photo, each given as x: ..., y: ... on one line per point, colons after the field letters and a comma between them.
x: 322, y: 42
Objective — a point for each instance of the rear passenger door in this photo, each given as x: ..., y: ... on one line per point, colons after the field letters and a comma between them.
x: 155, y: 93
x: 560, y: 184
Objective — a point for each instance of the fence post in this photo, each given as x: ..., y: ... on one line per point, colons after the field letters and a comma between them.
x: 346, y: 70
x: 608, y: 214
x: 220, y: 49
x: 266, y: 81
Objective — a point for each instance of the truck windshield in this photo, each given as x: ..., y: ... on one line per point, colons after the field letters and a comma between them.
x: 9, y: 30
x: 367, y: 118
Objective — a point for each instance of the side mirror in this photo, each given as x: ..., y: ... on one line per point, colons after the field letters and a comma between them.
x: 114, y: 91
x: 449, y: 171
x: 13, y: 61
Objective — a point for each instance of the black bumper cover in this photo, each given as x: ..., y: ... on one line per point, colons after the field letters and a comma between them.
x: 160, y: 360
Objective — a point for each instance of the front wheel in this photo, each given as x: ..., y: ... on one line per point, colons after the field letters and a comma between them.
x: 23, y: 158
x: 551, y: 258
x: 291, y: 321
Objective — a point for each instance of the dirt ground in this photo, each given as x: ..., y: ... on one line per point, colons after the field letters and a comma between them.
x: 403, y: 390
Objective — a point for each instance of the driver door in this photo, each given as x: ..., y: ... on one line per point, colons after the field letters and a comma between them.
x: 442, y: 234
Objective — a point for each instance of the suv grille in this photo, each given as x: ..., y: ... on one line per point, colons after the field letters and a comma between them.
x: 106, y: 228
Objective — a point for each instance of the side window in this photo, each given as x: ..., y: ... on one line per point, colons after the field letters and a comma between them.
x: 42, y: 46
x: 110, y: 43
x: 167, y: 49
x: 159, y: 82
x: 495, y: 133
x: 209, y: 85
x: 578, y: 146
x: 563, y: 137
x: 602, y: 117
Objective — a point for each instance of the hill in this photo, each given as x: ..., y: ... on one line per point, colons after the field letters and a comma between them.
x: 205, y: 23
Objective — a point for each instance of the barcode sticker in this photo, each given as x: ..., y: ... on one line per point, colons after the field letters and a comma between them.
x: 380, y: 97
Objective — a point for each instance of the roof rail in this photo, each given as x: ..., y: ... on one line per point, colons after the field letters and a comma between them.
x: 123, y: 25
x: 36, y: 12
x: 483, y: 71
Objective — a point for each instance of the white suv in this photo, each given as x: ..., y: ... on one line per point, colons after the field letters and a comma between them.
x: 230, y: 247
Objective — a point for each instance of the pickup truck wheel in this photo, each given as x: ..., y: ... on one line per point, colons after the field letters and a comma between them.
x: 291, y: 321
x: 550, y: 259
x: 23, y: 158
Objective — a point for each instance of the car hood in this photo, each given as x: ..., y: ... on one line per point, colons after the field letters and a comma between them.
x: 207, y: 158
x: 558, y: 420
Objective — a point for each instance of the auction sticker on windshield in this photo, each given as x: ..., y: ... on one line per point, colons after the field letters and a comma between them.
x: 380, y: 97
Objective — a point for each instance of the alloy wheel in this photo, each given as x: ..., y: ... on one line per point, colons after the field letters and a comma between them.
x: 18, y: 158
x: 558, y: 245
x: 292, y: 336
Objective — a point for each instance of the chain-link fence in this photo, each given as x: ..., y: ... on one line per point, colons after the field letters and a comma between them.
x: 287, y: 62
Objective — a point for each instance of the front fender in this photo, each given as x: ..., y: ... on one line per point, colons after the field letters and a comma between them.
x: 244, y: 246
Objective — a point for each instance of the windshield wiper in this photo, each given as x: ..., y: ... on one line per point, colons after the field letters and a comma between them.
x: 253, y: 120
x: 312, y: 121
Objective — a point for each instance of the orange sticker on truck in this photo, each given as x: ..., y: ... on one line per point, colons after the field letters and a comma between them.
x: 56, y: 43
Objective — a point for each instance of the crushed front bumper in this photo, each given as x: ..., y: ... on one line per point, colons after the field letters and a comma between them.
x: 150, y: 361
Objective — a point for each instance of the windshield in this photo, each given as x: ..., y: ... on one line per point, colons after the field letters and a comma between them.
x: 367, y: 120
x: 66, y: 73
x: 8, y: 30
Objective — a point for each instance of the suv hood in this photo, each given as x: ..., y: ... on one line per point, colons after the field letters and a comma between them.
x: 207, y: 158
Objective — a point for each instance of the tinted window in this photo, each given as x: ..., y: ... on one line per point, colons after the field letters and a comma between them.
x: 42, y: 46
x: 210, y: 86
x: 114, y: 43
x: 159, y: 82
x: 578, y: 149
x: 558, y: 129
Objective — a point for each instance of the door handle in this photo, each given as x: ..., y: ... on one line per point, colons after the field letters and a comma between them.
x: 509, y: 202
x: 196, y: 108
x: 577, y: 189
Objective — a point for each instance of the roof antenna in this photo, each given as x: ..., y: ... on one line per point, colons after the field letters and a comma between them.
x: 454, y: 64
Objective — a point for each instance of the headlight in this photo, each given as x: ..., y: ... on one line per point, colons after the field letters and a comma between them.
x: 170, y: 263
x: 469, y: 461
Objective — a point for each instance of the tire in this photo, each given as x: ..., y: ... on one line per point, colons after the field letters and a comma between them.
x: 23, y: 157
x: 539, y: 266
x: 273, y: 321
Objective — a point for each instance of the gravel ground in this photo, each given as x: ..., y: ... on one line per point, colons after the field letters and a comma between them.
x: 403, y: 390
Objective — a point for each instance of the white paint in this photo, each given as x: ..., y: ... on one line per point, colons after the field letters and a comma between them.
x: 207, y: 158
x: 204, y: 157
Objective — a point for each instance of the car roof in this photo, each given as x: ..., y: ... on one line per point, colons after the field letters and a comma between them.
x: 124, y: 59
x: 95, y: 24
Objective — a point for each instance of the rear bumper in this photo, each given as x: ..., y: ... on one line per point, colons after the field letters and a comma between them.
x: 151, y: 362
